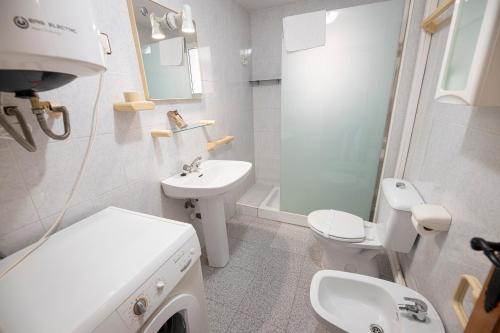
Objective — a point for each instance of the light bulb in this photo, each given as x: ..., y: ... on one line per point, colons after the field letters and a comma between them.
x: 156, y: 32
x: 187, y: 20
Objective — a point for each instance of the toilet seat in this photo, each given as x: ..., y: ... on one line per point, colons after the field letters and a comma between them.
x: 337, y: 225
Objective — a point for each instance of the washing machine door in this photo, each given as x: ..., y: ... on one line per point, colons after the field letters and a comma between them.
x: 179, y: 315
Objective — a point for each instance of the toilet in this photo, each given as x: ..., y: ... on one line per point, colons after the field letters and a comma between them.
x: 350, y: 244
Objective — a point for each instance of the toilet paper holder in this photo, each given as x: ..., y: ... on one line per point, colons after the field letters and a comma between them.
x: 430, y: 218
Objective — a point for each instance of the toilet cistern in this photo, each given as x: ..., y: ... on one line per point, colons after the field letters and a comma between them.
x: 418, y: 309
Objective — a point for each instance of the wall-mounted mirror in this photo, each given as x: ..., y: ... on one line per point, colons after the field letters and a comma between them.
x: 167, y: 50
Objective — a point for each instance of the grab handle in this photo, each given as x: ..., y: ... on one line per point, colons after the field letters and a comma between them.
x: 466, y: 282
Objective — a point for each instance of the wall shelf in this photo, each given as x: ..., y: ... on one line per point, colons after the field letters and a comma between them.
x: 169, y: 132
x: 133, y: 103
x: 134, y: 106
x: 211, y: 146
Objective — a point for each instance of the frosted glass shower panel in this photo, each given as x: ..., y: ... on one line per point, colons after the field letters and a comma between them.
x: 335, y: 101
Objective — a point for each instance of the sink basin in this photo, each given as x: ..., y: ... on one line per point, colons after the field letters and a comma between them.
x: 208, y: 184
x: 348, y: 302
x: 213, y: 177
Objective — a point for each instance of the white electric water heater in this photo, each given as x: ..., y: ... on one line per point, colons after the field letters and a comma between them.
x: 45, y: 44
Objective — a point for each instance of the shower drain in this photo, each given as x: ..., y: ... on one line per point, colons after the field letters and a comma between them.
x: 374, y: 328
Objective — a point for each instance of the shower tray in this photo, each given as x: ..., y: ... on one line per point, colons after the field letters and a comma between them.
x: 269, y: 206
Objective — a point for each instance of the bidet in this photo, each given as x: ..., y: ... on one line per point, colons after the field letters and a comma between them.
x: 347, y: 302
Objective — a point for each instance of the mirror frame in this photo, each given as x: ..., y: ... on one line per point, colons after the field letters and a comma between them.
x: 137, y: 43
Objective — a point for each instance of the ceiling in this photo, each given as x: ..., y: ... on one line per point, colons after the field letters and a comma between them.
x: 260, y: 4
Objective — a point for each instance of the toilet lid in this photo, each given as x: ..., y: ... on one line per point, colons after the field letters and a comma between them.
x: 338, y: 225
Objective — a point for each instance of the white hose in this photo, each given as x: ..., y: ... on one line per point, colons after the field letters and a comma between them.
x: 34, y: 247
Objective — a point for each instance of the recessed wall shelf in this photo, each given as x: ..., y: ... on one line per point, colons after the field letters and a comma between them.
x: 224, y: 141
x: 169, y: 132
x: 133, y: 103
x: 258, y: 82
x: 470, y: 72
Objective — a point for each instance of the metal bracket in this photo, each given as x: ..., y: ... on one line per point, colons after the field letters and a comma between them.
x: 40, y: 107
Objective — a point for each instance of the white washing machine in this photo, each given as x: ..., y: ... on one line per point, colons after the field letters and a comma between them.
x: 115, y: 271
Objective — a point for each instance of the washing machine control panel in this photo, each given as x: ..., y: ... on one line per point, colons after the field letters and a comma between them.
x: 136, y: 310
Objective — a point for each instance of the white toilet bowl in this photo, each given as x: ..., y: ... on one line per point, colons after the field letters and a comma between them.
x: 346, y: 302
x: 350, y: 244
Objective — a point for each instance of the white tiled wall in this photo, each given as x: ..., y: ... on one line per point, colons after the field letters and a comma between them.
x: 127, y: 163
x: 455, y: 162
x: 267, y: 132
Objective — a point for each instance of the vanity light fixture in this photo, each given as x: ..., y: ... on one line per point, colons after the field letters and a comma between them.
x: 156, y: 32
x: 186, y: 17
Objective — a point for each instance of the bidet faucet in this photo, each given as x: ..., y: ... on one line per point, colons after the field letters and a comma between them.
x: 418, y: 308
x: 193, y: 166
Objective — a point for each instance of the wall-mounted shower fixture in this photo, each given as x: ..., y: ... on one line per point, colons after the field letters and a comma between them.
x: 171, y: 20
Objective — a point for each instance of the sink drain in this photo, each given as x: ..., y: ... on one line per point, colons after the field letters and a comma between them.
x: 374, y: 328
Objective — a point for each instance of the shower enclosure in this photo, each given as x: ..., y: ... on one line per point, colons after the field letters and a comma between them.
x: 335, y: 103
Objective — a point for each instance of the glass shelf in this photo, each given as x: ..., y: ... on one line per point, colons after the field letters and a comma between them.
x: 169, y: 132
x: 190, y: 127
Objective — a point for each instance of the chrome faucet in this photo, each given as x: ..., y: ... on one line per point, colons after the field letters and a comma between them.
x: 418, y: 309
x: 193, y: 166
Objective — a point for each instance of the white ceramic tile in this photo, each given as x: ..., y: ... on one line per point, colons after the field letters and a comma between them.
x: 74, y: 214
x: 21, y: 238
x: 11, y: 180
x: 16, y: 213
x: 49, y: 174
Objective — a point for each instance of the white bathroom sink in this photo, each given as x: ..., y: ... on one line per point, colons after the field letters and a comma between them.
x: 347, y: 302
x: 214, y: 177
